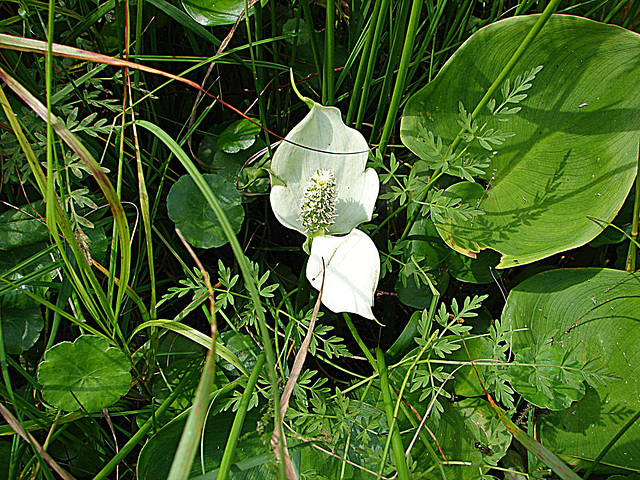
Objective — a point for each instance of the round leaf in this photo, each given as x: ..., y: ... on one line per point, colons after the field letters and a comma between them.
x: 195, y: 218
x: 87, y: 374
x: 593, y: 315
x: 575, y: 150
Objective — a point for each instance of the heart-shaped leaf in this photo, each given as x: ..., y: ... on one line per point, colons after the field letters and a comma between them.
x: 194, y: 217
x: 593, y: 314
x: 87, y: 374
x: 574, y: 154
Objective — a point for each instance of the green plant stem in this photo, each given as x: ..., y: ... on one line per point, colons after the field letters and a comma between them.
x: 243, y: 263
x: 238, y: 421
x: 192, y: 432
x: 398, y: 89
x: 502, y: 76
x: 371, y: 61
x: 398, y: 448
x: 356, y: 336
x: 399, y: 35
x: 140, y: 434
x: 329, y: 38
x: 355, y: 95
x: 306, y: 10
x: 631, y: 257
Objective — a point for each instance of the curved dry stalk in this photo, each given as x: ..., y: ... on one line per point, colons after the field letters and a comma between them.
x: 288, y: 389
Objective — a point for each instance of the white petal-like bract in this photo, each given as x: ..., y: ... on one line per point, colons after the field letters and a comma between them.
x: 292, y: 166
x: 352, y: 268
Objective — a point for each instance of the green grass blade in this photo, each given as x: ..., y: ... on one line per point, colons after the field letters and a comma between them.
x: 247, y: 272
x: 238, y: 421
x: 398, y: 89
x: 394, y: 431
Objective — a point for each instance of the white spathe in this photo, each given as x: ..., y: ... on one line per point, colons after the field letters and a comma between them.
x: 322, y: 142
x: 323, y: 130
x: 352, y: 268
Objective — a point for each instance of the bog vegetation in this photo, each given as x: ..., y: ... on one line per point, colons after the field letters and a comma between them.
x: 319, y: 240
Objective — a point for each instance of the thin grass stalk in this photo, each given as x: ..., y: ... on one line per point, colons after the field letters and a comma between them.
x: 329, y: 39
x: 308, y: 18
x: 356, y: 336
x: 276, y: 59
x: 262, y: 106
x: 138, y: 49
x: 188, y: 446
x: 633, y: 249
x: 238, y: 421
x: 398, y: 89
x: 394, y: 53
x: 142, y: 432
x: 246, y: 269
x: 364, y: 60
x: 394, y: 431
x: 50, y: 200
x: 371, y: 61
x: 41, y: 181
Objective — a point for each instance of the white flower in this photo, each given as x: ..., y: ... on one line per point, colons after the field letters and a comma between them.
x: 292, y: 167
x: 322, y: 188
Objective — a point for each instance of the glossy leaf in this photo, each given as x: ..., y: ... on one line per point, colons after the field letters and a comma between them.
x: 87, y: 374
x: 240, y: 135
x: 593, y: 313
x: 188, y: 208
x: 575, y: 150
x: 20, y: 328
x: 251, y: 460
x: 214, y: 12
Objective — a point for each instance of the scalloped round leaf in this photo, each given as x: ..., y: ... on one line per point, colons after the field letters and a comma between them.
x: 593, y: 315
x: 195, y: 218
x: 574, y: 154
x: 87, y: 374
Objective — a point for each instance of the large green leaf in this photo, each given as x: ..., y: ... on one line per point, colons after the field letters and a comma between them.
x: 87, y: 374
x: 595, y: 315
x: 252, y: 457
x: 188, y: 208
x: 575, y: 150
